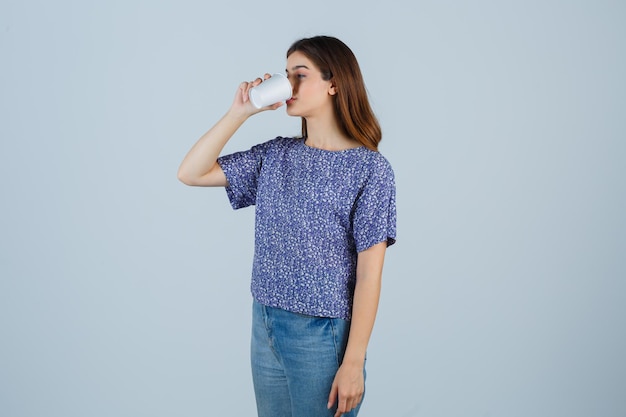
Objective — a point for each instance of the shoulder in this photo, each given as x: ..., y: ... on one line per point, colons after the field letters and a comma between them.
x: 377, y: 164
x: 271, y: 147
x: 280, y: 142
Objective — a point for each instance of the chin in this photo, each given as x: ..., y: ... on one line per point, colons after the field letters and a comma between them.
x: 292, y: 112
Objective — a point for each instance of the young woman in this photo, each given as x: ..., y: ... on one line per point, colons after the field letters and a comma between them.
x: 325, y: 214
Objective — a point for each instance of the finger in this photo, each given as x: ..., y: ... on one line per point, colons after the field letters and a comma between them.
x: 332, y: 397
x: 243, y: 88
x: 266, y: 76
x: 251, y: 85
x: 342, y: 406
x: 276, y: 105
x: 348, y: 405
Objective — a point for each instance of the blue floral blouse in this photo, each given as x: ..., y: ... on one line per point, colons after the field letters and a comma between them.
x: 315, y: 210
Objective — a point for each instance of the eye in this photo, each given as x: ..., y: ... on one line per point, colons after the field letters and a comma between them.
x: 298, y: 76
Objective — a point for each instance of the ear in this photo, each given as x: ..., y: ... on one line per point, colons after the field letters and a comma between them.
x: 332, y: 90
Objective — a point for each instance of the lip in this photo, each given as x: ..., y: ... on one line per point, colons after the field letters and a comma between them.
x: 291, y: 100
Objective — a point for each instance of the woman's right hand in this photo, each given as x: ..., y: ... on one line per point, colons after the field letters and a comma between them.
x: 242, y: 105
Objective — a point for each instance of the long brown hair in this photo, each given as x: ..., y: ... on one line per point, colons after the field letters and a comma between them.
x: 337, y: 62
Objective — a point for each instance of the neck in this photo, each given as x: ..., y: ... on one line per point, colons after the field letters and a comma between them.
x: 328, y: 136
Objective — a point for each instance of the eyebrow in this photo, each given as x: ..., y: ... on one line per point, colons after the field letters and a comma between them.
x: 297, y: 67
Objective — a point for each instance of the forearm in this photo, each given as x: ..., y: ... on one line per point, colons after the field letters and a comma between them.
x: 201, y: 159
x: 365, y: 304
x: 199, y: 166
x: 364, y: 310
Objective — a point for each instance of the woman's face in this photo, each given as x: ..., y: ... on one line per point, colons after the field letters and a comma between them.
x: 312, y: 96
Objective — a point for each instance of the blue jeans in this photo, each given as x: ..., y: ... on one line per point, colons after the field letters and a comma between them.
x: 294, y: 361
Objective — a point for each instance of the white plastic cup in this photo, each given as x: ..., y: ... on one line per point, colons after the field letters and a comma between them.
x: 274, y: 89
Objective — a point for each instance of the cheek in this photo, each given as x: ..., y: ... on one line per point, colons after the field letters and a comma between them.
x: 313, y: 91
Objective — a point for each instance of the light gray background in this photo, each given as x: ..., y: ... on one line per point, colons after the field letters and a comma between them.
x: 125, y: 293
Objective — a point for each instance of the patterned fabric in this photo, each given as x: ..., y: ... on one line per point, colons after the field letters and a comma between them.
x: 315, y: 210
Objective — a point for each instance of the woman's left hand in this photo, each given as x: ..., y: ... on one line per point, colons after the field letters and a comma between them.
x: 347, y: 389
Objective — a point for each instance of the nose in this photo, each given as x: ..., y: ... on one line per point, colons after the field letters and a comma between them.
x: 294, y: 83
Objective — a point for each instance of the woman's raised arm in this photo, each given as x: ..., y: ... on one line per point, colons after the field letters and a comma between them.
x: 200, y: 167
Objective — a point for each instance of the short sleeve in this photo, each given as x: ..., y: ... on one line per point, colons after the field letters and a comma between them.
x: 242, y: 171
x: 375, y: 211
